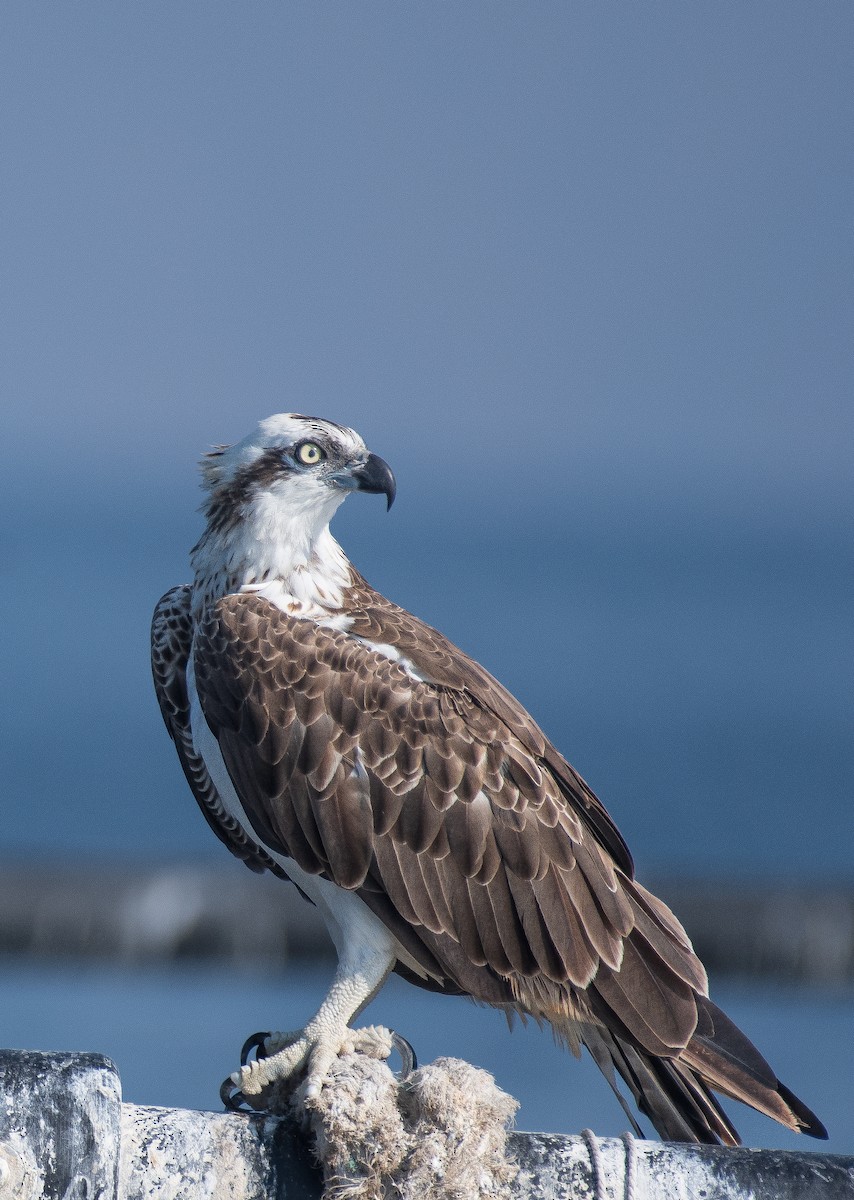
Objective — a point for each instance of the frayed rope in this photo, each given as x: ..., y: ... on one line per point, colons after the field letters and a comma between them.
x: 439, y: 1133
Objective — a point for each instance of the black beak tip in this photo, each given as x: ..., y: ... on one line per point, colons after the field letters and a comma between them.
x: 377, y: 476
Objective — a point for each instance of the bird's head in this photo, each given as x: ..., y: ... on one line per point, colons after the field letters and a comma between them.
x: 270, y: 500
x: 302, y: 467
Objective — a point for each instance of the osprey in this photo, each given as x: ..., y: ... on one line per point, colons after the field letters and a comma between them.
x: 334, y: 739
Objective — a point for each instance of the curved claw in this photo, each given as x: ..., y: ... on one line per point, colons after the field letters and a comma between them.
x: 255, y: 1042
x: 408, y: 1060
x: 232, y: 1098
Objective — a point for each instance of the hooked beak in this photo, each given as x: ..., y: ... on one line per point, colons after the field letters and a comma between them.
x: 375, y: 475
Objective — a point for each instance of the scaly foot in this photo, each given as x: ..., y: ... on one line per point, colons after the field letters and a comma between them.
x: 302, y: 1059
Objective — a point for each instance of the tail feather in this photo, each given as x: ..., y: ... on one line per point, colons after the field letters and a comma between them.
x: 807, y: 1120
x: 676, y: 1092
x: 678, y: 1102
x: 729, y: 1062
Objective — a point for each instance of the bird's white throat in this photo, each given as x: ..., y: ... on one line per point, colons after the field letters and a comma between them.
x: 282, y: 551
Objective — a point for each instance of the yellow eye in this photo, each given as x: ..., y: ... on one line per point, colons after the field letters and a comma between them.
x: 310, y: 454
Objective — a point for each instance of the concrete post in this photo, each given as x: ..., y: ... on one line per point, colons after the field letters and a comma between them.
x: 60, y: 1126
x: 66, y: 1135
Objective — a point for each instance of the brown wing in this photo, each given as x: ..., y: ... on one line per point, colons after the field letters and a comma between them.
x: 377, y: 619
x: 443, y: 805
x: 171, y: 637
x: 453, y: 829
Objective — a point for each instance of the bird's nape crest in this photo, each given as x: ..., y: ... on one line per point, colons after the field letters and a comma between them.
x: 211, y: 466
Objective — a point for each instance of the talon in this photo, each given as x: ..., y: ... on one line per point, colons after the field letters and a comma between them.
x: 232, y: 1098
x: 280, y: 1059
x: 255, y: 1042
x: 408, y: 1059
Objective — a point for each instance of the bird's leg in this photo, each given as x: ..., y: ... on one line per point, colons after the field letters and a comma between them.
x: 359, y: 976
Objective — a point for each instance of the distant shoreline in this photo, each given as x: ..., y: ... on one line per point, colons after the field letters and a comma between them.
x: 189, y: 911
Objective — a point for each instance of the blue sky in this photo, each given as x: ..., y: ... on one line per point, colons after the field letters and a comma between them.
x: 568, y: 239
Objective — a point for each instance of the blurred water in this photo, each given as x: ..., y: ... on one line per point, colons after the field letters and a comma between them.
x: 695, y: 670
x: 176, y: 1034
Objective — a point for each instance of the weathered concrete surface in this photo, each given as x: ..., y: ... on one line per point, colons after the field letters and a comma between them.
x: 179, y: 1154
x: 65, y: 1135
x: 60, y: 1126
x: 558, y: 1166
x: 172, y: 1154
